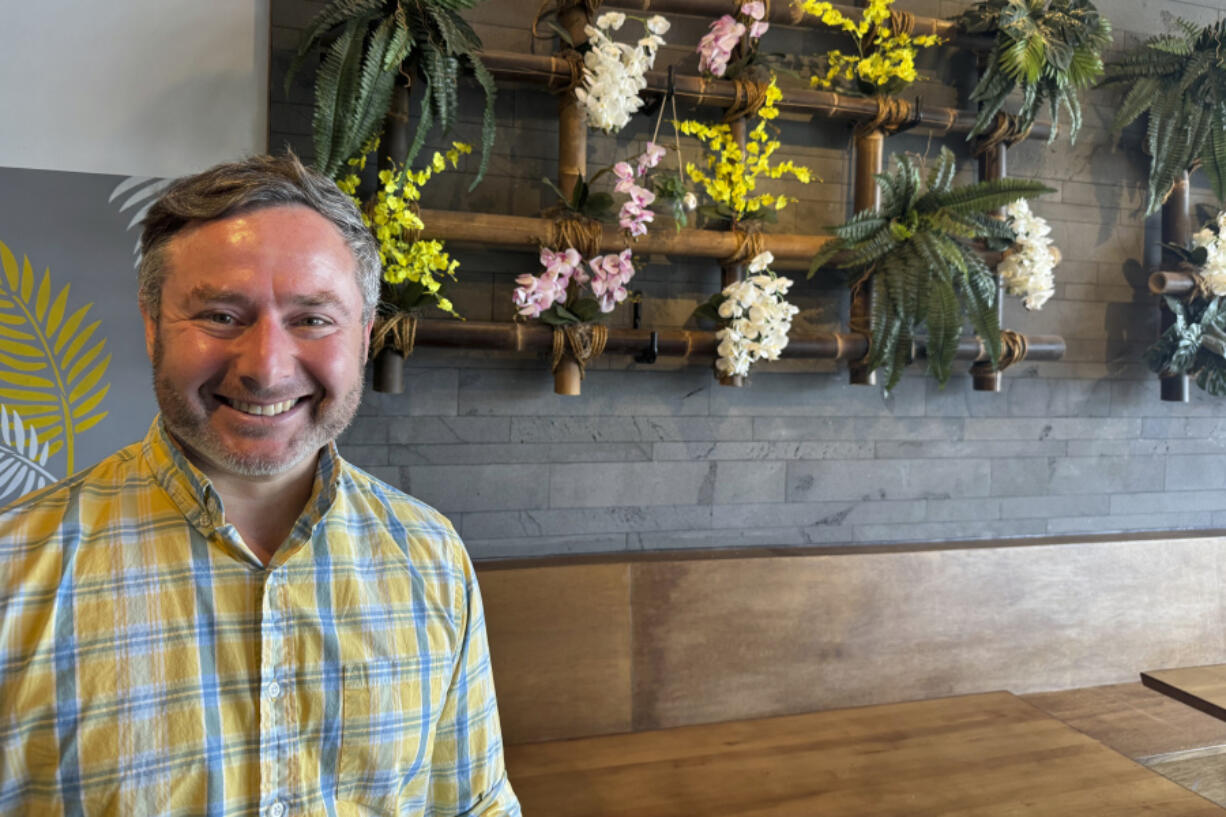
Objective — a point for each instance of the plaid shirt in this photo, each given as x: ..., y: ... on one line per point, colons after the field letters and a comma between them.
x: 149, y: 664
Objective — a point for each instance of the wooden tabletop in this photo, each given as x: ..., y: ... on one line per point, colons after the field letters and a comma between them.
x: 976, y: 755
x: 1201, y: 687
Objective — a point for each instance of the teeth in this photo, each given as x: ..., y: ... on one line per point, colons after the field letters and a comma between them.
x: 263, y: 411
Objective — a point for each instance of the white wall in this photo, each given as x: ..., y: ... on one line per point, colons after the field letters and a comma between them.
x: 132, y: 87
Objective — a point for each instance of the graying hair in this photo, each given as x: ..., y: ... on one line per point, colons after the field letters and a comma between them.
x: 237, y: 187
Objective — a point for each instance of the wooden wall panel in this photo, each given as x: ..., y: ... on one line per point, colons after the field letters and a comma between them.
x: 724, y: 639
x: 560, y: 645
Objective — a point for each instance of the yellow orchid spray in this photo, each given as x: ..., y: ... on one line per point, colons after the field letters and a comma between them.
x: 884, y: 62
x: 730, y: 176
x: 412, y: 267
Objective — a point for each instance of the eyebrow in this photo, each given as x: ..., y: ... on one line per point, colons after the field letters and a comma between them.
x: 207, y: 293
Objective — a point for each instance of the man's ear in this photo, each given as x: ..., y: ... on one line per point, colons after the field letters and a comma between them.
x: 151, y: 332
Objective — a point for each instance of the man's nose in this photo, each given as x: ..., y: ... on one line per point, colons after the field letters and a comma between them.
x: 265, y: 355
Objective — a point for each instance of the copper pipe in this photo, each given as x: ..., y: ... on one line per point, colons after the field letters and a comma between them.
x: 1169, y: 282
x: 790, y: 14
x: 1176, y: 229
x: 527, y: 233
x: 572, y: 121
x: 993, y: 164
x: 680, y: 343
x: 722, y: 93
x: 869, y: 161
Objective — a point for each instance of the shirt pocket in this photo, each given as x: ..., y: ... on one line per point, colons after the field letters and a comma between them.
x: 382, y: 735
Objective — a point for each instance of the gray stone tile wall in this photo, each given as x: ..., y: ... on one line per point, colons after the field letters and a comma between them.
x: 661, y: 457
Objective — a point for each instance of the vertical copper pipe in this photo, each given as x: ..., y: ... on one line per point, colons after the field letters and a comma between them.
x: 993, y: 164
x: 734, y: 272
x: 388, y: 374
x: 1176, y: 229
x: 572, y: 123
x: 869, y: 159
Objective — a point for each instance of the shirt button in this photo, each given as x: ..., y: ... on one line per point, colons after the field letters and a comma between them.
x: 274, y: 691
x: 277, y: 809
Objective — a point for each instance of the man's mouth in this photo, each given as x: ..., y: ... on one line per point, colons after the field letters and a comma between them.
x: 260, y: 409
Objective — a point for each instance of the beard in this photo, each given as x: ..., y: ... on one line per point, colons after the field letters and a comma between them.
x: 187, y: 421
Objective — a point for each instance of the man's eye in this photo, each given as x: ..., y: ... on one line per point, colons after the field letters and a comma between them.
x: 314, y: 321
x: 220, y: 318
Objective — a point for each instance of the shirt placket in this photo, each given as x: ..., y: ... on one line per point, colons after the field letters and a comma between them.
x: 274, y: 756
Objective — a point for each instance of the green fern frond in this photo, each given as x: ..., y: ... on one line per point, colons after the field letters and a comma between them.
x: 943, y: 320
x: 985, y: 196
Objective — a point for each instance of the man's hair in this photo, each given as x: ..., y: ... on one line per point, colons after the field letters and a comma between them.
x: 238, y: 187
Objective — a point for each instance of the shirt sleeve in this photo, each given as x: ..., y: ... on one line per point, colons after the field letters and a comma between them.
x: 468, y: 775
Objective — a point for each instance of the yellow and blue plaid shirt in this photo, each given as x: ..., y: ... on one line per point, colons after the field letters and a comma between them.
x: 151, y: 665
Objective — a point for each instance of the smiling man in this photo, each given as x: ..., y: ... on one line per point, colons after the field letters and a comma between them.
x: 228, y: 618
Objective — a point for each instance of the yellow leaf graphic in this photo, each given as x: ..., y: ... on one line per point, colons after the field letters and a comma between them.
x: 45, y: 377
x: 44, y: 297
x: 89, y: 381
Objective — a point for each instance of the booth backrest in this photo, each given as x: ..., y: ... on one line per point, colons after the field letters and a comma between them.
x: 598, y: 646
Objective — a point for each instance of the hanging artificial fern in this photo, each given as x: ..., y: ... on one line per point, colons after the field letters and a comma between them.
x: 926, y: 275
x: 1194, y: 344
x: 373, y: 40
x: 1180, y: 79
x: 1051, y: 49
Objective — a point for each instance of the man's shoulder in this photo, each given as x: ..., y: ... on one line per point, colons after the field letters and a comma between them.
x: 375, y: 505
x: 107, y: 478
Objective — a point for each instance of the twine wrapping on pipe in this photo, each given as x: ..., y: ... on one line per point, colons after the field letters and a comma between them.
x: 586, y: 342
x: 748, y: 100
x: 1013, y: 349
x: 584, y: 234
x: 574, y: 63
x: 398, y: 331
x: 749, y: 245
x: 557, y: 7
x: 1006, y: 129
x: 892, y: 114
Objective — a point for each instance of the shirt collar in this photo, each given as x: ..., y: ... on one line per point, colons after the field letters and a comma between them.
x: 194, y: 495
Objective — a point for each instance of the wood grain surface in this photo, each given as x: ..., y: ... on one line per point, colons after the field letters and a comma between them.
x: 1135, y: 721
x: 1202, y: 688
x: 987, y: 755
x: 560, y: 646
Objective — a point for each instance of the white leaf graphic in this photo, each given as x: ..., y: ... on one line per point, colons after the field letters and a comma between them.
x: 21, y: 458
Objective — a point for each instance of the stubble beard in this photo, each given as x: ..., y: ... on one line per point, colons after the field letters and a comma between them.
x: 188, y: 423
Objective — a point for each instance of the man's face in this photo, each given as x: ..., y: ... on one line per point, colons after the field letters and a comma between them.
x: 259, y: 349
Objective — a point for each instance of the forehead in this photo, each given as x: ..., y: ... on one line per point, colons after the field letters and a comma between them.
x: 283, y: 250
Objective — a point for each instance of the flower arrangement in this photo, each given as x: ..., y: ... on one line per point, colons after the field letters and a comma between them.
x: 1195, y: 343
x: 414, y: 269
x: 884, y: 62
x: 1051, y: 49
x: 718, y: 46
x: 754, y: 315
x: 558, y: 296
x: 1026, y: 268
x: 916, y: 247
x: 1180, y: 79
x: 613, y: 72
x: 731, y: 175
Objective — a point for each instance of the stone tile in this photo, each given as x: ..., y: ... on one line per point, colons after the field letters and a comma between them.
x: 823, y: 450
x: 568, y: 522
x: 452, y: 488
x: 950, y: 531
x: 962, y: 510
x: 887, y: 479
x: 856, y: 428
x: 1194, y: 472
x: 502, y: 393
x: 739, y: 538
x: 444, y: 430
x: 976, y: 448
x: 426, y: 392
x: 480, y: 549
x: 519, y: 452
x: 533, y: 429
x: 813, y: 515
x: 618, y: 484
x: 1056, y: 428
x: 810, y: 395
x: 1197, y: 520
x: 1022, y: 507
x: 738, y: 482
x: 1169, y: 502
